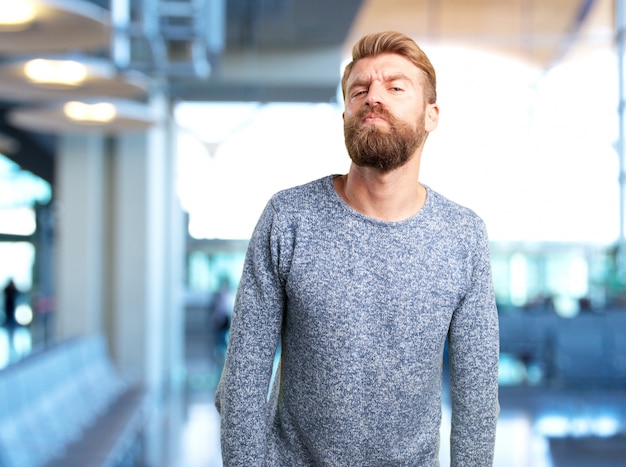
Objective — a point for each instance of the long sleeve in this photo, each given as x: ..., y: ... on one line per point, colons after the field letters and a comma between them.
x: 474, y: 350
x: 241, y: 396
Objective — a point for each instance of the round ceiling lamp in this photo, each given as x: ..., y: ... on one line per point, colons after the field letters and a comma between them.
x: 17, y: 16
x: 55, y: 73
x: 45, y: 79
x: 110, y: 116
x: 47, y: 26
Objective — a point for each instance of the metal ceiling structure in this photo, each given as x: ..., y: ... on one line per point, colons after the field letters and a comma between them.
x: 238, y: 50
x: 291, y: 50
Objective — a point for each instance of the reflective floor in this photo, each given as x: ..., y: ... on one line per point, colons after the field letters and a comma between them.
x: 539, y: 426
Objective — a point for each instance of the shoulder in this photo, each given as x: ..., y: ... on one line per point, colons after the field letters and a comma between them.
x: 314, y: 195
x: 444, y: 207
x: 299, y: 208
x: 317, y: 187
x: 459, y: 220
x: 297, y: 212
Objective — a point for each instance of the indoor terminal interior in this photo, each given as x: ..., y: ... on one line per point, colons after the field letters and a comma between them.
x: 140, y: 141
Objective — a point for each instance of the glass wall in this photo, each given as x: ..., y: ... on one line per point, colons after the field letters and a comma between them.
x: 564, y: 278
x: 23, y: 196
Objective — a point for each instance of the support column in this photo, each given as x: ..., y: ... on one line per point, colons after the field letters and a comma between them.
x: 79, y: 221
x: 146, y: 273
x: 176, y: 232
x: 120, y: 248
x: 620, y: 27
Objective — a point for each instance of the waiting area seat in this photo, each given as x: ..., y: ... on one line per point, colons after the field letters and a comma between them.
x: 584, y: 351
x: 66, y: 405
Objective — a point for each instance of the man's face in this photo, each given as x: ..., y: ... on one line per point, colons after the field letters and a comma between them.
x: 384, y: 119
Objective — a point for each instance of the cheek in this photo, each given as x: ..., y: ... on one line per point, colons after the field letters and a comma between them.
x: 349, y: 116
x: 349, y: 112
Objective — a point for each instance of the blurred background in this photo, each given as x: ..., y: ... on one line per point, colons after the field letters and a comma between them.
x: 140, y: 140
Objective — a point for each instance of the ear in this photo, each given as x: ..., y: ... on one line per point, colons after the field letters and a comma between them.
x: 431, y: 117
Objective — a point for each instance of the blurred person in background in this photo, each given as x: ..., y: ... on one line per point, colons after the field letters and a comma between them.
x: 11, y: 294
x: 220, y: 311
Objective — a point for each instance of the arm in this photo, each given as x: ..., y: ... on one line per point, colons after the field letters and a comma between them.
x: 241, y: 397
x: 474, y: 350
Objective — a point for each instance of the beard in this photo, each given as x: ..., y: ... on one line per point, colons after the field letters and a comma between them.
x: 384, y: 149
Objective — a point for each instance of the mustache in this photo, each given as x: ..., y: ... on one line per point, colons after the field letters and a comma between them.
x: 376, y: 110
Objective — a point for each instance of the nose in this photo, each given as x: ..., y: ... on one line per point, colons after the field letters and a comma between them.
x: 374, y: 94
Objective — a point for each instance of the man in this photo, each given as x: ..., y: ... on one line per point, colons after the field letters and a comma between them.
x: 10, y: 303
x: 362, y: 278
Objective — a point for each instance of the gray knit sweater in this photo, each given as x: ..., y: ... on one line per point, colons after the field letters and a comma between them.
x: 362, y: 309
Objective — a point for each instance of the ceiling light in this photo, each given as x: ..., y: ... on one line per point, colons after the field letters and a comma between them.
x: 17, y: 15
x: 101, y: 80
x: 55, y: 73
x: 101, y: 112
x: 100, y: 116
x: 35, y: 27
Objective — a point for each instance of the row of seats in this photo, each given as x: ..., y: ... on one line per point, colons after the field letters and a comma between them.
x: 68, y: 406
x: 587, y: 349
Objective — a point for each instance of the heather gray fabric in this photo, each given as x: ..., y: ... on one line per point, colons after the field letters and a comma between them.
x: 362, y: 309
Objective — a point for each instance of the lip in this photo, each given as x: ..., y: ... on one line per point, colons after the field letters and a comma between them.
x: 373, y: 118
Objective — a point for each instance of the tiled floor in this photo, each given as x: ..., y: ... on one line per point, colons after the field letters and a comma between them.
x: 538, y: 427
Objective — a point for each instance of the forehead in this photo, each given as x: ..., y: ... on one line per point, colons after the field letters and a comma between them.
x: 383, y: 67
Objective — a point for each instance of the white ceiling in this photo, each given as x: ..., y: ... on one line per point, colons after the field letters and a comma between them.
x: 542, y: 32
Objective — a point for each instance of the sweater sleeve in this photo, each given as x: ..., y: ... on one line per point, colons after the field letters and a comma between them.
x: 241, y: 396
x: 474, y: 350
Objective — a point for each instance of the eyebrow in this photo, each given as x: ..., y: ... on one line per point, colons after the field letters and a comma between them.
x: 394, y: 77
x: 397, y: 77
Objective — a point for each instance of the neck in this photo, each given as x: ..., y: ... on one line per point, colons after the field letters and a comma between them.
x: 391, y: 196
